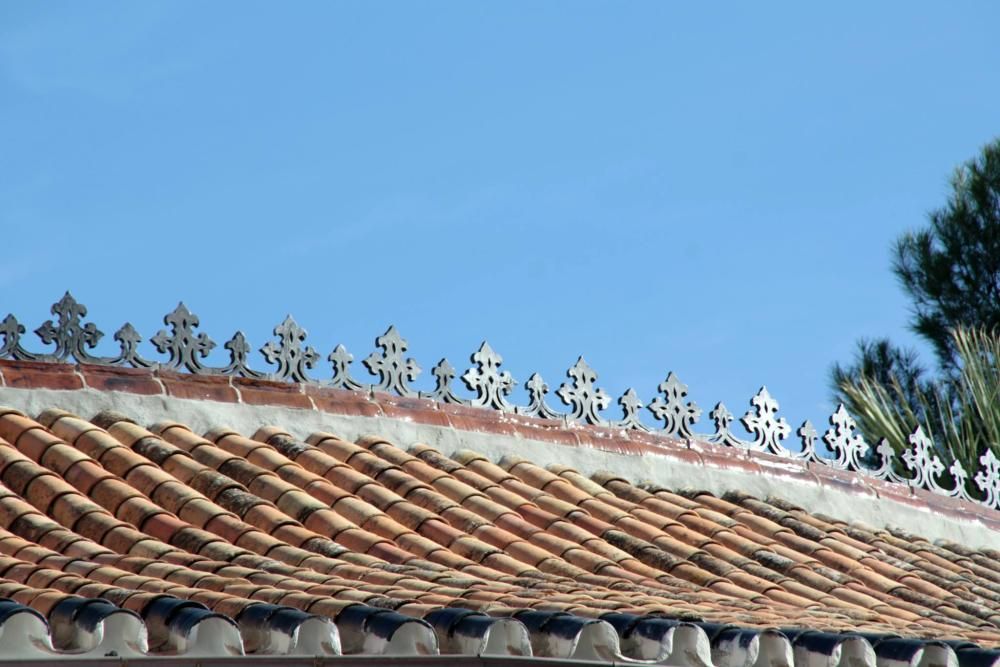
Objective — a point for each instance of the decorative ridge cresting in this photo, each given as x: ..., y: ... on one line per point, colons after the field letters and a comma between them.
x: 923, y: 465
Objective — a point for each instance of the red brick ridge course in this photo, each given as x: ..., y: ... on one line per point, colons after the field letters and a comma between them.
x: 249, y: 391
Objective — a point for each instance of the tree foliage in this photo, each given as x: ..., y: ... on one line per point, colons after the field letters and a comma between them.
x: 950, y: 270
x: 962, y: 414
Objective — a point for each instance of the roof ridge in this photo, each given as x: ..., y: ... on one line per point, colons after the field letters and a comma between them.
x: 74, y: 339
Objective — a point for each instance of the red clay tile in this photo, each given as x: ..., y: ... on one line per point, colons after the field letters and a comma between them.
x: 40, y: 375
x: 476, y: 420
x: 121, y: 538
x: 163, y: 526
x: 842, y: 480
x: 607, y: 440
x: 729, y: 460
x: 267, y: 392
x: 293, y: 534
x: 138, y: 510
x: 32, y: 442
x: 342, y: 401
x: 267, y: 517
x: 19, y: 472
x: 328, y: 524
x: 198, y: 387
x: 60, y: 457
x: 487, y: 539
x: 130, y: 380
x: 45, y: 489
x: 254, y: 541
x: 418, y: 410
x: 111, y: 493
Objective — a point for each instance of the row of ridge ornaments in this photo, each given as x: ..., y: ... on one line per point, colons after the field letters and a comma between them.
x: 72, y: 338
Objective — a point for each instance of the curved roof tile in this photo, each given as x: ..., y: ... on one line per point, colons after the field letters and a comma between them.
x: 138, y: 534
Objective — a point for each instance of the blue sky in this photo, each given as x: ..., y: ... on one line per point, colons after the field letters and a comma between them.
x: 712, y: 190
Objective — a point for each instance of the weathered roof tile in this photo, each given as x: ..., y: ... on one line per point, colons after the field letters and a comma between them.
x: 161, y: 520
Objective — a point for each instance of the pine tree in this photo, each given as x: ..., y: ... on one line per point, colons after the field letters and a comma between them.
x: 950, y: 270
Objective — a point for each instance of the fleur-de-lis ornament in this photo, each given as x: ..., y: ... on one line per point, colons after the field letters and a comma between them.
x: 68, y: 333
x: 925, y: 465
x: 185, y: 347
x: 341, y: 360
x: 807, y: 433
x: 961, y: 477
x: 988, y: 479
x: 631, y: 407
x: 71, y: 338
x: 292, y: 359
x: 887, y: 468
x: 723, y: 419
x: 537, y: 407
x: 239, y: 350
x: 128, y: 338
x: 490, y: 384
x: 11, y: 330
x: 844, y: 441
x: 444, y: 374
x: 393, y: 370
x: 583, y: 398
x: 762, y: 420
x: 677, y: 416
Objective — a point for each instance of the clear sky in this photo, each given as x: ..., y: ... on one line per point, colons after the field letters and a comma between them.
x: 712, y: 190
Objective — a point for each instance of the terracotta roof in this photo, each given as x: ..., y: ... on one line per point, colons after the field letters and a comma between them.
x: 138, y: 534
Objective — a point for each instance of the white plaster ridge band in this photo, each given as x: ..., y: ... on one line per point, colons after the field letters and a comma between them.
x: 203, y: 415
